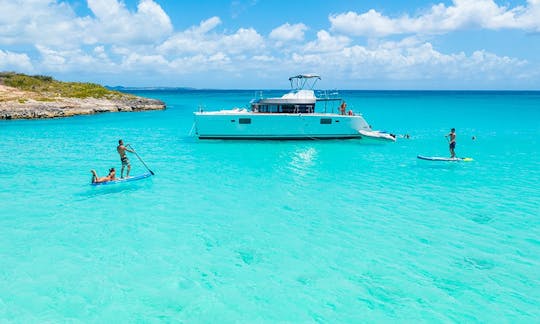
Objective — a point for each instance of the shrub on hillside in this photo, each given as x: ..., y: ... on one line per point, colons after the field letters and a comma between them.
x: 46, y: 85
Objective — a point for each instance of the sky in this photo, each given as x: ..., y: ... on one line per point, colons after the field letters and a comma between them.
x: 258, y: 44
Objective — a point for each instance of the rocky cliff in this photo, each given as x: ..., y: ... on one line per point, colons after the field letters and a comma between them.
x: 33, y: 102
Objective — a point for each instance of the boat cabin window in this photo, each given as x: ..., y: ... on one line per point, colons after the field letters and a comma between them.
x: 297, y: 109
x: 265, y: 108
x: 244, y: 120
x: 284, y: 109
x: 325, y: 121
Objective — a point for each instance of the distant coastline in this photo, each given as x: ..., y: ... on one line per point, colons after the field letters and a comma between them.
x: 36, y: 97
x: 122, y: 88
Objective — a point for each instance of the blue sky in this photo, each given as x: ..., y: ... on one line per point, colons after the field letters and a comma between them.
x: 258, y: 44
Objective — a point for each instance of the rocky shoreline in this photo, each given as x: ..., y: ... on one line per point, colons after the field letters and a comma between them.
x: 21, y: 106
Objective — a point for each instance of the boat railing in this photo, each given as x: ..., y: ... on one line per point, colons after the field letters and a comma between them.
x: 258, y: 95
x: 330, y: 100
x: 328, y: 95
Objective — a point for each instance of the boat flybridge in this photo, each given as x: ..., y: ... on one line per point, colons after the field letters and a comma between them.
x: 297, y: 115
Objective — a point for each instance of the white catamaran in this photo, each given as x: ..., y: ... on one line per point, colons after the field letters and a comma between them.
x: 297, y: 115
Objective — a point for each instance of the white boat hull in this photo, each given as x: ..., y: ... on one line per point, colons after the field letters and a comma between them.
x: 248, y: 125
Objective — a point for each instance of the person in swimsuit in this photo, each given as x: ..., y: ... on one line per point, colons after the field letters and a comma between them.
x: 111, y: 176
x: 342, y: 108
x: 452, y: 137
x: 123, y: 157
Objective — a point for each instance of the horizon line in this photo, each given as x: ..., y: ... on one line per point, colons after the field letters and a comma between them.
x: 157, y: 88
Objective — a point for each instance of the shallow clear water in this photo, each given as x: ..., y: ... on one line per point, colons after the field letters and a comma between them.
x: 253, y: 231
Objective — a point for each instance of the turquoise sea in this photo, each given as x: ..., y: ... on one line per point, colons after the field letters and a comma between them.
x: 276, y: 231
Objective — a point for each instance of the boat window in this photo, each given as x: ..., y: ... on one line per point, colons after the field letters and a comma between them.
x: 288, y: 109
x: 244, y: 120
x: 297, y: 109
x: 259, y: 108
x: 326, y: 120
x: 284, y: 109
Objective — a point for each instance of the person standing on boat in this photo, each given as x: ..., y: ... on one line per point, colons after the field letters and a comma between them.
x: 123, y: 157
x: 343, y: 108
x: 452, y: 140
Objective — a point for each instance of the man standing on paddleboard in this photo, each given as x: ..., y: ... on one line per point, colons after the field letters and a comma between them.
x: 452, y: 137
x: 123, y: 157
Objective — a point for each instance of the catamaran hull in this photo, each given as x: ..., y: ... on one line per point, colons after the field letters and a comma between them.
x: 257, y: 126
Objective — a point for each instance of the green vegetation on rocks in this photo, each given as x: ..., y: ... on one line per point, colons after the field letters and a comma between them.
x: 29, y: 97
x: 46, y: 86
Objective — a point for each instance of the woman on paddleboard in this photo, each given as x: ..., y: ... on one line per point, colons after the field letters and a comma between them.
x: 111, y: 176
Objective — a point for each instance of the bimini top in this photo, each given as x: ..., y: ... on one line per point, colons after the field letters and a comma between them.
x: 304, y: 81
x: 305, y: 76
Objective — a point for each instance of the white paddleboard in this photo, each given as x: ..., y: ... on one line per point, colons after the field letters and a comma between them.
x: 444, y: 159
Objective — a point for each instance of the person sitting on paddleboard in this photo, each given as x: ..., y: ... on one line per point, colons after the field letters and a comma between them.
x: 452, y: 136
x: 123, y: 157
x: 111, y: 176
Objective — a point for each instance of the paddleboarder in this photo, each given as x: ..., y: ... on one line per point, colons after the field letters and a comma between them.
x: 452, y: 142
x: 123, y: 157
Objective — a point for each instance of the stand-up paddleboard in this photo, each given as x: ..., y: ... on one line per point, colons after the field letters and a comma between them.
x: 123, y: 180
x: 444, y: 159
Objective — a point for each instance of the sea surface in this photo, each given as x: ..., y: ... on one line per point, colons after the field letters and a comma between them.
x: 276, y: 231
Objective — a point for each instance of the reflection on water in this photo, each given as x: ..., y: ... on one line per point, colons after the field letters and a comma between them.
x: 90, y: 191
x: 302, y: 160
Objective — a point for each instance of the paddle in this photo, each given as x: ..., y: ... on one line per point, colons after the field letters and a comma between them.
x: 146, y: 166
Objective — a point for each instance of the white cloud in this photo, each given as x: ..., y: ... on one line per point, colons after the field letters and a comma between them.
x: 54, y: 23
x: 241, y: 41
x: 326, y: 42
x: 136, y: 61
x: 100, y: 52
x: 206, y: 25
x: 113, y: 23
x: 288, y: 32
x: 195, y: 64
x: 45, y: 22
x: 74, y: 60
x: 192, y: 40
x: 238, y: 7
x: 264, y: 58
x: 203, y: 39
x: 462, y: 14
x: 411, y: 59
x: 15, y: 61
